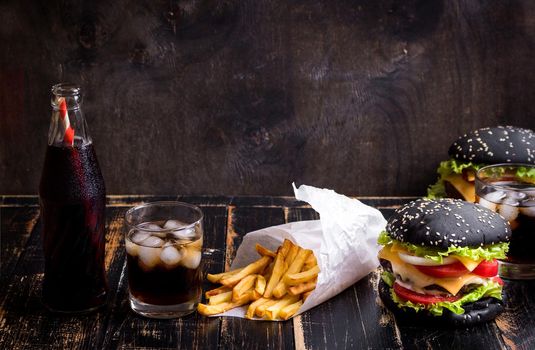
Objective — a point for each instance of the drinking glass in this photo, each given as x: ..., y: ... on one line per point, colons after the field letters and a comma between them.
x: 164, y: 250
x: 509, y: 189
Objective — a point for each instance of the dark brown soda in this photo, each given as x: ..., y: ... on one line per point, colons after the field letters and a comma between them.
x: 163, y: 285
x: 73, y: 203
x: 522, y: 240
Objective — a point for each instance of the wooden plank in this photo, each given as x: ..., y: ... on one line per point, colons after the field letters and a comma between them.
x: 516, y: 323
x: 19, y: 201
x: 484, y: 336
x: 16, y: 227
x: 128, y: 330
x: 239, y: 333
x: 24, y: 321
x: 249, y: 201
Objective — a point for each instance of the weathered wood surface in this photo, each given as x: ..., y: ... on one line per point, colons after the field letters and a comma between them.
x: 354, y: 319
x: 246, y: 96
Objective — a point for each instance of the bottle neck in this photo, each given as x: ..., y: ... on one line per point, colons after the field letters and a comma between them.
x: 67, y: 126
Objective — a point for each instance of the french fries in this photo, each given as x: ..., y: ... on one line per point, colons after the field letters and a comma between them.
x: 218, y: 276
x: 276, y: 285
x: 220, y: 298
x: 272, y: 312
x: 296, y: 265
x: 255, y: 267
x: 278, y: 269
x: 216, y: 291
x: 260, y: 285
x: 302, y: 277
x: 264, y: 251
x: 302, y: 288
x: 243, y: 286
x: 289, y: 310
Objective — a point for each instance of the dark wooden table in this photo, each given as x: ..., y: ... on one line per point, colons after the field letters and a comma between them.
x: 353, y: 319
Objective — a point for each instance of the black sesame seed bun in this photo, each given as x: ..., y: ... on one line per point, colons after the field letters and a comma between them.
x: 481, y: 311
x: 501, y: 144
x: 447, y: 222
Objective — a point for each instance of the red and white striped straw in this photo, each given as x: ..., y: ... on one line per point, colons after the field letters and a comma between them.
x: 68, y: 138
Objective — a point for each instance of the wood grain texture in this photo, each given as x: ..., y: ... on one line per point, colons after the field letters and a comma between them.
x: 244, y: 97
x: 16, y: 225
x: 515, y: 323
x: 25, y: 322
x: 354, y: 319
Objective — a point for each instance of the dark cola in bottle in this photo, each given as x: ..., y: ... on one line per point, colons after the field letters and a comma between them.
x: 73, y: 202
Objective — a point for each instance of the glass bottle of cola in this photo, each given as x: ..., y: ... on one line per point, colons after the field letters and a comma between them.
x: 72, y: 198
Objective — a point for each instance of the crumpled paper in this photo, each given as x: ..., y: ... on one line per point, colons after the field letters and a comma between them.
x: 344, y: 242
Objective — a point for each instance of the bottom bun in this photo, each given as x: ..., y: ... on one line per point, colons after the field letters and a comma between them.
x: 481, y: 311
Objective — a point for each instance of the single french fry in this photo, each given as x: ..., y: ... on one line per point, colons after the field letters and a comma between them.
x: 264, y: 251
x: 216, y: 291
x: 252, y: 307
x: 268, y: 270
x: 285, y: 247
x: 214, y: 278
x: 289, y: 310
x: 260, y: 284
x: 250, y: 269
x: 272, y: 312
x: 301, y: 277
x: 278, y: 271
x: 292, y: 253
x: 306, y: 295
x: 209, y: 310
x: 310, y: 262
x: 302, y: 288
x: 297, y: 263
x: 243, y: 286
x: 261, y: 310
x: 220, y: 298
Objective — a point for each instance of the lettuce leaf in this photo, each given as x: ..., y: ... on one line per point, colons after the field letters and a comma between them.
x: 526, y: 173
x: 488, y: 252
x: 436, y: 190
x: 490, y: 289
x: 447, y: 167
x: 388, y: 278
x: 454, y: 166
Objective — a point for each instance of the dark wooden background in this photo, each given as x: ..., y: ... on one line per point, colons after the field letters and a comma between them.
x: 244, y: 97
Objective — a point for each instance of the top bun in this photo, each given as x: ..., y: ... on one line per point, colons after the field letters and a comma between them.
x: 447, y: 222
x: 501, y: 144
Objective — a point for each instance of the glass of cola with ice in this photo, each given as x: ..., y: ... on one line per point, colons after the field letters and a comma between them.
x: 164, y: 250
x: 509, y: 189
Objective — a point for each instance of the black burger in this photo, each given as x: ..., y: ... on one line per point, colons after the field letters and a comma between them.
x: 439, y: 262
x: 472, y: 151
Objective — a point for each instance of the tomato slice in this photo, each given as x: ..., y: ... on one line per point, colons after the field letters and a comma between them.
x: 425, y: 299
x: 487, y: 268
x: 441, y: 271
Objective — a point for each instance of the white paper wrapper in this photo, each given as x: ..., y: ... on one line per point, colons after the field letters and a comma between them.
x: 344, y: 242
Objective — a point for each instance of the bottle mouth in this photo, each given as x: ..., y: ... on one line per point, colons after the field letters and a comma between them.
x: 66, y: 90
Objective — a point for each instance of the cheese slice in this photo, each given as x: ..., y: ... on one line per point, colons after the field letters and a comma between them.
x: 420, y: 280
x: 464, y: 187
x: 467, y: 262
